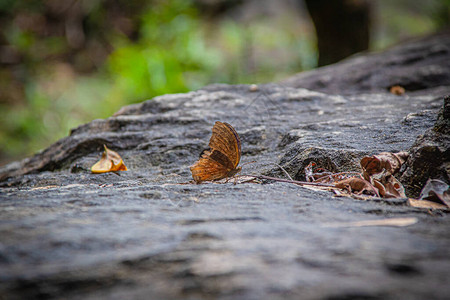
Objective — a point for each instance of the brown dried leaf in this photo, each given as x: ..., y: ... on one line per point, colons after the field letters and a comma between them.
x: 380, y: 187
x: 437, y: 191
x: 426, y: 204
x: 394, y: 189
x: 397, y: 90
x: 357, y: 185
x: 110, y: 162
x: 391, y: 162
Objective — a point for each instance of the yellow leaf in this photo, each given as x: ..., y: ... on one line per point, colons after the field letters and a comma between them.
x: 426, y: 204
x: 110, y: 162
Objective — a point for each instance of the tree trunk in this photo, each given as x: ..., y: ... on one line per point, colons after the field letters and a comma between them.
x: 342, y: 27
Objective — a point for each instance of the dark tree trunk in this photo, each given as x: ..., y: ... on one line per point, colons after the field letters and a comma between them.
x: 342, y: 27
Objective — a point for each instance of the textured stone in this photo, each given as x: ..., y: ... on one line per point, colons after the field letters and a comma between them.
x: 418, y: 65
x: 430, y: 154
x: 150, y: 233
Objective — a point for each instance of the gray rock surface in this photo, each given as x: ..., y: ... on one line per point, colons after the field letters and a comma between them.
x: 150, y: 233
x: 417, y: 65
x: 430, y: 155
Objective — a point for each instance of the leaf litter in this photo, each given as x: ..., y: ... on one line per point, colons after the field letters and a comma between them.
x: 110, y: 162
x: 376, y: 179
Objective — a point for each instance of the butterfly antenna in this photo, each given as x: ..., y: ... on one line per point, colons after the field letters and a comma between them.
x: 247, y: 163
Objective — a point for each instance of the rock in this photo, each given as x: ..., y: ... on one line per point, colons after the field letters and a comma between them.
x: 151, y: 233
x: 418, y: 65
x: 430, y: 154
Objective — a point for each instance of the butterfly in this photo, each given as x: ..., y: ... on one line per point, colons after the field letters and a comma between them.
x: 222, y: 157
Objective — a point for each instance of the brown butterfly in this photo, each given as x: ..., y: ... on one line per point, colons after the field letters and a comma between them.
x: 222, y: 157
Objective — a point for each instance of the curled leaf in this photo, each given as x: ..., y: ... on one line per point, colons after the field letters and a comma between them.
x: 391, y: 162
x: 357, y: 185
x: 437, y: 191
x: 384, y: 165
x: 381, y: 189
x: 110, y: 162
x: 394, y: 189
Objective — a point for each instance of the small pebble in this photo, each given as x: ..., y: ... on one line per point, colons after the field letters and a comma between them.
x: 253, y: 88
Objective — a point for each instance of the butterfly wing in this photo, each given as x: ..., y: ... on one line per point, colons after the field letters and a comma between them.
x: 226, y: 140
x: 222, y: 159
x: 206, y: 169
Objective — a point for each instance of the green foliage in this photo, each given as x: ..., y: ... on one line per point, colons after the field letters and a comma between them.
x: 175, y: 51
x: 171, y: 46
x: 397, y: 20
x: 166, y: 48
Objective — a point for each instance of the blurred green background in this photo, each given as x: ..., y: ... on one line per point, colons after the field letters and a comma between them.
x: 66, y: 62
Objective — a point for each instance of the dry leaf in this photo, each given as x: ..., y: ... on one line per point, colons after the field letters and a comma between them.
x: 391, y: 162
x: 397, y: 90
x: 384, y: 165
x: 426, y: 204
x: 394, y: 189
x: 110, y: 162
x: 380, y: 187
x: 357, y: 185
x: 398, y: 222
x: 437, y: 191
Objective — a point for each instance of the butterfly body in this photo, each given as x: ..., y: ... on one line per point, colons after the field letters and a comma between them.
x: 222, y: 158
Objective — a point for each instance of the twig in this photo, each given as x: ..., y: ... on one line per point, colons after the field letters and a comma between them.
x: 285, y: 172
x: 293, y: 181
x: 334, y: 176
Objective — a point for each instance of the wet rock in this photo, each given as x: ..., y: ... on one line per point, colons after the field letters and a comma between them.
x: 151, y: 233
